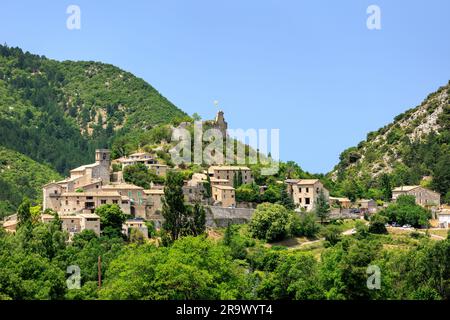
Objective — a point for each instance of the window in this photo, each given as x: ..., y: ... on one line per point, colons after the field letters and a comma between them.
x: 103, y: 201
x: 300, y: 200
x: 78, y: 201
x: 67, y: 202
x: 299, y: 189
x: 317, y: 190
x: 307, y: 201
x: 307, y: 190
x: 115, y: 201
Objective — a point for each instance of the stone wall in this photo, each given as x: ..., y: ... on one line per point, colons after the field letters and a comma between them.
x: 221, y: 217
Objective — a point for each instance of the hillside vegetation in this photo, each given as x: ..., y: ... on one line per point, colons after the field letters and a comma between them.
x: 414, y: 145
x: 21, y: 177
x: 55, y: 114
x: 59, y: 112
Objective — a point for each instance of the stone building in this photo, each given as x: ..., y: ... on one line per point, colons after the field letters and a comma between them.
x: 224, y: 196
x: 228, y: 173
x: 305, y: 192
x: 424, y: 197
x: 154, y: 203
x: 90, y: 186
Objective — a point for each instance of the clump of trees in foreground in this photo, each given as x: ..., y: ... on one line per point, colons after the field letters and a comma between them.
x: 236, y: 266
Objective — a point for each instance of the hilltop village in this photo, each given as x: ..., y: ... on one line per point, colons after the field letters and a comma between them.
x: 76, y: 198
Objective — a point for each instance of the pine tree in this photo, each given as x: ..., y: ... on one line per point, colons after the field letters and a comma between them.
x: 240, y: 180
x: 23, y: 213
x: 322, y: 207
x: 198, y: 219
x: 174, y: 210
x: 386, y: 187
x: 286, y: 199
x: 208, y: 188
x: 235, y: 181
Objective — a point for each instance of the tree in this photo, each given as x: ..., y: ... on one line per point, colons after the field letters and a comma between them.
x: 248, y: 193
x: 305, y: 225
x: 270, y: 222
x: 198, y: 218
x: 272, y: 194
x: 111, y: 219
x: 295, y: 277
x: 192, y: 268
x: 322, y: 207
x: 174, y: 210
x: 208, y: 187
x: 377, y: 224
x: 332, y: 235
x: 352, y: 189
x: 286, y: 199
x: 23, y: 213
x: 441, y: 175
x: 386, y: 187
x: 406, y: 211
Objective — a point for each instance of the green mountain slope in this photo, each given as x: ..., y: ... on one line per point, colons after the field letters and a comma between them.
x: 21, y: 177
x: 59, y: 112
x: 414, y: 145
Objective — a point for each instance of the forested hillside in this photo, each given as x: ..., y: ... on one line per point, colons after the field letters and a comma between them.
x: 59, y: 112
x: 21, y: 177
x: 415, y: 145
x: 55, y: 114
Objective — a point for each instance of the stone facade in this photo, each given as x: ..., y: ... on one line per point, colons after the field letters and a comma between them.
x: 305, y: 192
x: 228, y: 173
x: 224, y: 195
x: 424, y: 197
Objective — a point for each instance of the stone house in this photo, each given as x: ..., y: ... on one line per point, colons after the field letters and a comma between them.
x: 228, y: 173
x: 138, y: 224
x: 424, y: 197
x: 154, y: 203
x: 305, y: 192
x: 224, y: 196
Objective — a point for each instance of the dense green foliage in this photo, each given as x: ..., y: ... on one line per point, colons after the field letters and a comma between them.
x: 271, y: 222
x: 406, y: 211
x: 180, y: 219
x: 400, y: 153
x: 35, y: 259
x: 57, y: 113
x: 21, y: 177
x: 140, y: 175
x: 111, y: 219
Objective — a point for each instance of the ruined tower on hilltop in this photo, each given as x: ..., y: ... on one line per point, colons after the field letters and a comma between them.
x: 220, y: 123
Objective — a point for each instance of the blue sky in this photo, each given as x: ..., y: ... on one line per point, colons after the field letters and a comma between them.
x: 310, y: 68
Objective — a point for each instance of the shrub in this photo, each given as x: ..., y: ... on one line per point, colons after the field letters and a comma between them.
x: 377, y: 224
x: 270, y: 222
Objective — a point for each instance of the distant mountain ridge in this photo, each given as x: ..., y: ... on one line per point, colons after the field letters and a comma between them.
x: 414, y: 145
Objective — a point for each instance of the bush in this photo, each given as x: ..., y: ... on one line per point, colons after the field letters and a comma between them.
x: 332, y: 235
x: 377, y: 224
x: 270, y: 222
x: 406, y: 211
x: 304, y: 225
